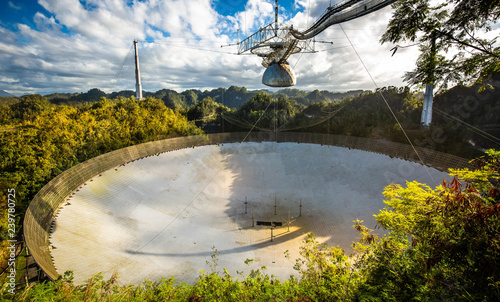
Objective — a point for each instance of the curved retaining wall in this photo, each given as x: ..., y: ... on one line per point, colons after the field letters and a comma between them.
x: 44, y: 206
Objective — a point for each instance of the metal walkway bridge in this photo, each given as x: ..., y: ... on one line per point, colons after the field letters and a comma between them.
x: 275, y: 42
x: 342, y: 12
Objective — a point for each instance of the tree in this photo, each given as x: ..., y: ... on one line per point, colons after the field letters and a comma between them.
x: 440, y: 243
x: 450, y: 26
x: 190, y: 96
x: 174, y: 101
x: 207, y: 110
x: 315, y: 96
x: 29, y: 106
x: 453, y: 25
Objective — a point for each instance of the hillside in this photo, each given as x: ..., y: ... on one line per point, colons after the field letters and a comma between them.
x: 465, y: 119
x: 232, y: 97
x: 51, y: 138
x: 4, y: 93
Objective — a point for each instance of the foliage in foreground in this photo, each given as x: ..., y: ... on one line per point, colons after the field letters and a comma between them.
x: 326, y: 276
x: 441, y: 244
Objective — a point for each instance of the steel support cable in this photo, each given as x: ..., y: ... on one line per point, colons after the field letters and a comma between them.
x: 476, y: 130
x: 193, y: 47
x: 236, y: 122
x: 297, y: 62
x: 124, y: 61
x: 390, y: 109
x: 333, y: 48
x: 244, y: 124
x: 310, y: 125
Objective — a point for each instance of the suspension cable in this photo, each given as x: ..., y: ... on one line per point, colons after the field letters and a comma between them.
x: 388, y: 106
x: 123, y: 63
x: 476, y: 130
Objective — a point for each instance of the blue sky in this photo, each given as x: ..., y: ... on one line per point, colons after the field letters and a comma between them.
x: 72, y: 46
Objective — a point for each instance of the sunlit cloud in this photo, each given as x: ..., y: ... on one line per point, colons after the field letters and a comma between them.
x: 75, y: 46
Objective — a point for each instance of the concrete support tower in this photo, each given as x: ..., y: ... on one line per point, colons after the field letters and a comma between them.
x: 426, y: 117
x: 138, y: 87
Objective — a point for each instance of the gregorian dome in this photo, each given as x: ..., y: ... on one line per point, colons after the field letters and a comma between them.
x: 278, y: 75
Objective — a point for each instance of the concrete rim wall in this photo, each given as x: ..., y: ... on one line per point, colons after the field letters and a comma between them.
x: 45, y: 205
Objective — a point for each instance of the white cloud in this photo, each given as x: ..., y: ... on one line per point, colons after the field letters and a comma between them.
x: 257, y: 13
x: 12, y: 5
x: 76, y: 47
x: 344, y: 68
x: 45, y: 24
x: 8, y: 80
x: 195, y: 18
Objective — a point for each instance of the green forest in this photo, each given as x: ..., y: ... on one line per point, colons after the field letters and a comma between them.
x: 40, y: 140
x: 453, y: 249
x: 439, y: 244
x: 232, y: 97
x: 442, y: 244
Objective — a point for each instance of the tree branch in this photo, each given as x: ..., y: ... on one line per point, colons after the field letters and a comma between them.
x: 475, y: 39
x: 450, y: 36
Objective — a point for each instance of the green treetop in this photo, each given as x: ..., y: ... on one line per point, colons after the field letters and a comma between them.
x: 455, y: 27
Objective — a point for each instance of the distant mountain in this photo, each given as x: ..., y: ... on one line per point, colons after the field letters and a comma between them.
x: 4, y: 93
x: 232, y: 97
x: 305, y: 97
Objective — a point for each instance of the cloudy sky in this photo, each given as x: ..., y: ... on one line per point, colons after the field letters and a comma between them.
x: 72, y: 46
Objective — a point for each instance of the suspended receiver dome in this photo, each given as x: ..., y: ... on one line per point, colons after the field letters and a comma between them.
x: 278, y: 75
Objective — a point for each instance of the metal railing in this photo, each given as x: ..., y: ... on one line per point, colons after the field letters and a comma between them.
x: 264, y: 34
x: 343, y: 12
